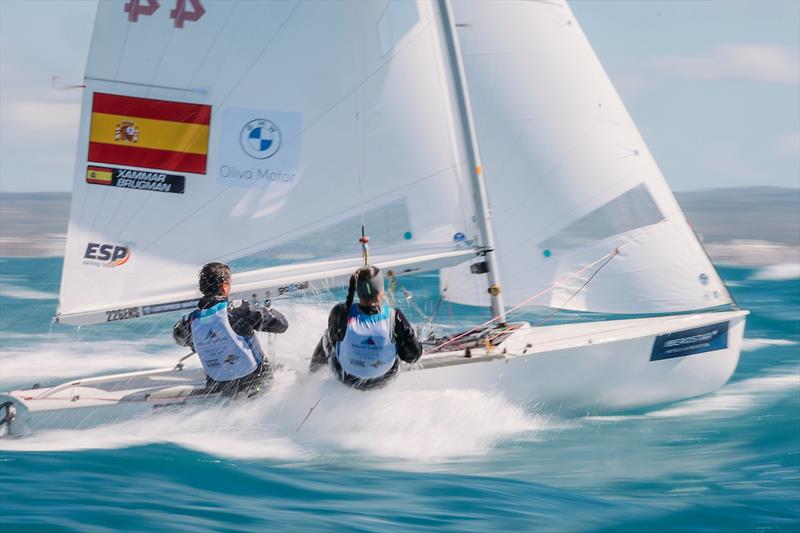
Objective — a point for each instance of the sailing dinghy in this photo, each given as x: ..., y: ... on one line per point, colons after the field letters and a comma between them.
x: 265, y: 134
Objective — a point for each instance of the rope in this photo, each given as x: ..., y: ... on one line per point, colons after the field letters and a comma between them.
x: 309, y: 414
x: 364, y: 240
x: 585, y: 283
x: 605, y: 260
x: 590, y: 278
x: 438, y: 305
x: 407, y: 294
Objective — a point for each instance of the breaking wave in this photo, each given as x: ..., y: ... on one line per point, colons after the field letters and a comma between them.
x: 393, y: 423
x: 749, y: 345
x: 738, y: 396
x: 402, y: 424
x: 779, y: 272
x: 62, y: 358
x: 24, y: 293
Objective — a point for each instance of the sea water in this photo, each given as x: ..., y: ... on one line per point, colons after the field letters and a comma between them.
x: 397, y: 460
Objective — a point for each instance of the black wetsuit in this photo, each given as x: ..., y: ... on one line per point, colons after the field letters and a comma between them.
x: 245, y: 319
x: 409, y: 349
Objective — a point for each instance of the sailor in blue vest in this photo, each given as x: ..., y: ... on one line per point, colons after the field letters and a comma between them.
x: 365, y: 341
x: 223, y: 334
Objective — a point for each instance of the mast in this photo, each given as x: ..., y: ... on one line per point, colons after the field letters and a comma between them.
x: 473, y: 154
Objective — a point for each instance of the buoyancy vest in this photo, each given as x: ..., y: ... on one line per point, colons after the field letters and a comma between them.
x: 368, y: 349
x: 225, y: 354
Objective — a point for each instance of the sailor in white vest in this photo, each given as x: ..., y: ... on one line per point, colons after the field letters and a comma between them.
x: 223, y: 334
x: 365, y: 341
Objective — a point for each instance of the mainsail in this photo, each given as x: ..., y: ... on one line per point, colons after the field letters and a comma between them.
x: 575, y: 193
x: 263, y: 134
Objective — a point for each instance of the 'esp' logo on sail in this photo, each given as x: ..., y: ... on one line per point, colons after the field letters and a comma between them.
x: 110, y: 255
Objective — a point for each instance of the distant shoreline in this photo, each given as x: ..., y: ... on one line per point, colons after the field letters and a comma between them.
x: 743, y: 226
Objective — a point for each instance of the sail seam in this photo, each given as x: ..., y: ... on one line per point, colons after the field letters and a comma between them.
x: 632, y: 239
x: 311, y: 123
x: 220, y: 106
x: 210, y: 48
x: 340, y: 211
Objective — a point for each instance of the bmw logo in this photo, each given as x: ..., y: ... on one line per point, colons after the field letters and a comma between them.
x: 260, y: 138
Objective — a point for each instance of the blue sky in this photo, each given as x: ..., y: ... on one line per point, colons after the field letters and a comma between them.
x: 714, y: 86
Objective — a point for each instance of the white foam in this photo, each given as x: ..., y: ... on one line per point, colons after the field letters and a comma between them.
x: 779, y: 272
x: 422, y: 426
x: 62, y: 358
x: 58, y: 357
x: 410, y: 425
x: 25, y: 293
x: 738, y: 396
x: 749, y: 345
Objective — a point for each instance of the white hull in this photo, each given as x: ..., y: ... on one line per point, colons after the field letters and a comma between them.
x: 597, y: 366
x: 88, y: 402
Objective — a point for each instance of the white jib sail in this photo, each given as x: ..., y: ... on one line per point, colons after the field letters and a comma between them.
x: 570, y: 178
x: 259, y: 134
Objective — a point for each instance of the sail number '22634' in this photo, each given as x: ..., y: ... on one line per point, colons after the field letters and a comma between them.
x: 135, y: 8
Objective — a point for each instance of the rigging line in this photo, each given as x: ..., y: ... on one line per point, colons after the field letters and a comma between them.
x: 309, y: 414
x: 358, y: 37
x: 526, y: 301
x: 605, y: 259
x: 438, y: 305
x: 585, y: 283
x: 408, y: 295
x: 578, y: 252
x: 360, y: 167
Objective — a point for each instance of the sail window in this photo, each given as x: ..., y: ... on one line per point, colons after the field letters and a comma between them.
x: 386, y: 225
x: 633, y: 209
x: 398, y: 19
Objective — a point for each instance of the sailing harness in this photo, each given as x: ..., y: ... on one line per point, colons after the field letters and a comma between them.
x: 600, y: 263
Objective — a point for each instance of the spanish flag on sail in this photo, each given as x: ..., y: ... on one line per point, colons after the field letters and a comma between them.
x: 99, y: 175
x: 148, y: 133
